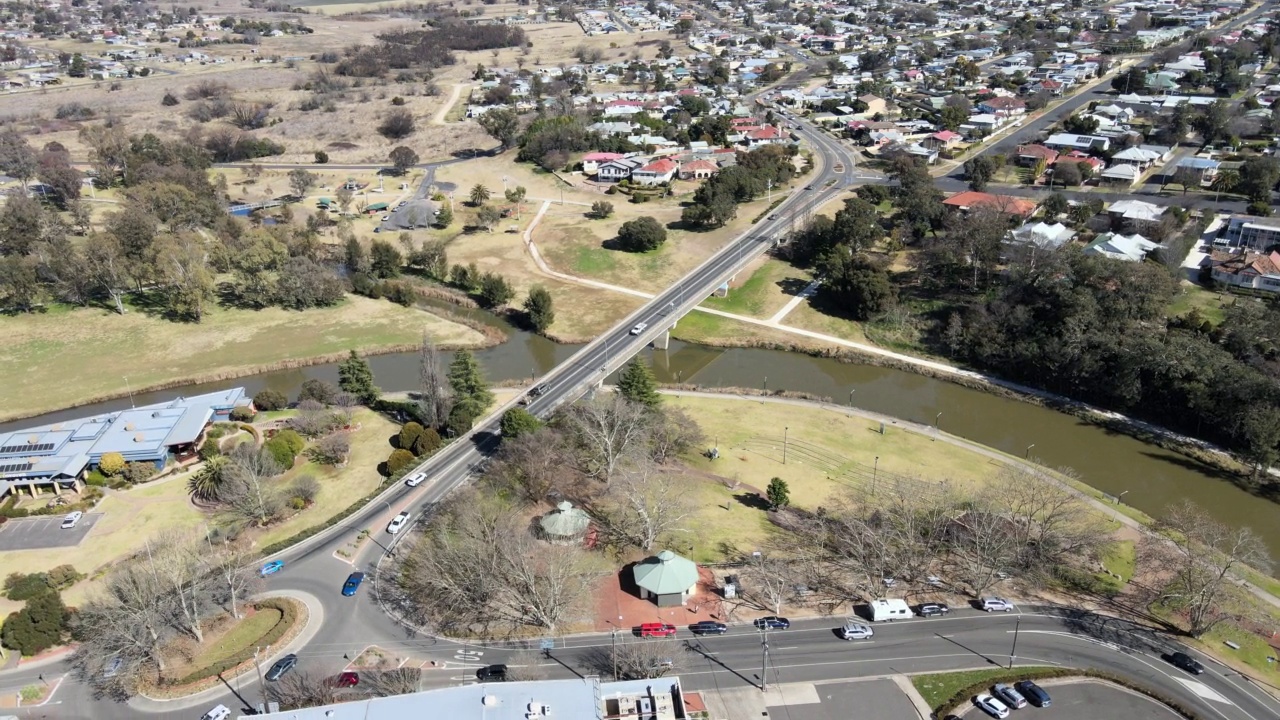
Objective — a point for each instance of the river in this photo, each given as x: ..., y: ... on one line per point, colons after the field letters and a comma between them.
x: 1149, y: 477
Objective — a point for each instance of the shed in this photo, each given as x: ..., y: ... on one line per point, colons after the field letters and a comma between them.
x: 667, y: 579
x: 565, y: 524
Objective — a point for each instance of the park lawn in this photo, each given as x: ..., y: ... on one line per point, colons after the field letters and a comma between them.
x: 938, y: 688
x: 807, y: 317
x: 1193, y: 297
x: 763, y: 289
x: 97, y: 349
x: 750, y: 439
x: 1253, y: 651
x: 1121, y: 558
x: 339, y: 486
x: 229, y: 641
x: 722, y: 528
x: 719, y: 331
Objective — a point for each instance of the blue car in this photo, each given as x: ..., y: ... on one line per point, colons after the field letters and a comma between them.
x: 271, y: 568
x: 352, y: 584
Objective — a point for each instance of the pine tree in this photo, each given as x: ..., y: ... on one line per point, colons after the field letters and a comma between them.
x: 469, y: 387
x: 638, y: 385
x: 778, y: 494
x: 539, y: 307
x: 517, y: 422
x: 355, y: 377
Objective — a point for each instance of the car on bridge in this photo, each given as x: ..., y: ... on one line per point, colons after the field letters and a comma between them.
x: 639, y: 328
x: 415, y: 479
x: 352, y: 584
x: 708, y: 627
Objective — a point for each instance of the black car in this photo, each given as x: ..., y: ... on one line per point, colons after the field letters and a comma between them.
x: 492, y: 673
x: 1186, y: 662
x: 931, y: 609
x: 773, y: 622
x: 708, y: 627
x: 1033, y: 693
x: 282, y: 666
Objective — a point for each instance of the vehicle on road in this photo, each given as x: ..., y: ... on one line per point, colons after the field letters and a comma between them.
x: 344, y: 680
x: 773, y: 622
x: 994, y: 604
x: 415, y: 479
x: 656, y: 630
x: 991, y: 706
x: 282, y: 666
x: 890, y: 609
x: 271, y: 568
x: 708, y: 627
x: 639, y: 328
x: 352, y: 584
x: 1009, y: 696
x: 1184, y: 661
x: 1033, y: 693
x: 71, y: 519
x: 398, y: 522
x: 492, y: 673
x: 221, y: 712
x: 856, y: 631
x: 773, y: 216
x: 932, y: 609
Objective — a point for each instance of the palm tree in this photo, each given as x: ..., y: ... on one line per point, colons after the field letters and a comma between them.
x: 206, y: 484
x: 479, y: 194
x: 1225, y: 181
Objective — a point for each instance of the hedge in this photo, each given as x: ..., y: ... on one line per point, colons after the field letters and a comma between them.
x: 288, y: 616
x: 964, y: 696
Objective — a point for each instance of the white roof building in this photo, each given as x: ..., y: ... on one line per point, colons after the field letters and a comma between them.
x: 1132, y: 248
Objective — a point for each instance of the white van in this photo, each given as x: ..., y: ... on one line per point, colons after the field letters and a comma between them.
x: 890, y: 609
x: 221, y: 712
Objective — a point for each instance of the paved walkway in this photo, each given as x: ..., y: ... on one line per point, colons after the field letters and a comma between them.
x: 794, y: 302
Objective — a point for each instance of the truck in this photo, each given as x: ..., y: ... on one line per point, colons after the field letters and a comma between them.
x: 890, y: 609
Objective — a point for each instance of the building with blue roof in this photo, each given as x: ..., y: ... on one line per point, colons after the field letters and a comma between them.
x: 58, y: 455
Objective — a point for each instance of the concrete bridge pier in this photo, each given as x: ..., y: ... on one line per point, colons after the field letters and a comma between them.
x: 663, y: 341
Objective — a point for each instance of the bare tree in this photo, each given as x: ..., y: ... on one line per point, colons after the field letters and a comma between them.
x: 181, y: 566
x: 435, y: 395
x: 610, y: 430
x: 1196, y: 557
x: 645, y: 505
x: 303, y: 689
x: 673, y: 434
x: 536, y: 466
x: 984, y: 546
x: 1051, y: 525
x: 393, y: 681
x: 230, y: 565
x: 245, y: 489
x: 645, y: 658
x: 526, y: 665
x: 769, y: 580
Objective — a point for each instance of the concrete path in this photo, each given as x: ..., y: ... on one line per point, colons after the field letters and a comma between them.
x: 803, y: 295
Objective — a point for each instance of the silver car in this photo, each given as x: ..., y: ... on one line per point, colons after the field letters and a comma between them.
x: 994, y: 604
x: 1011, y: 697
x: 856, y: 631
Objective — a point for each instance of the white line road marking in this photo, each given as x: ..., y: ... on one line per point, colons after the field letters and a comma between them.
x: 1203, y: 690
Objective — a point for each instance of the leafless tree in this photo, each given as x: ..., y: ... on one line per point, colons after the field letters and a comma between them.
x: 611, y: 431
x: 1051, y: 525
x: 536, y: 465
x: 644, y: 505
x: 230, y: 565
x: 769, y: 580
x: 180, y: 563
x: 303, y: 689
x: 1196, y: 558
x: 392, y: 681
x: 983, y: 545
x: 673, y: 434
x: 644, y: 658
x: 313, y: 419
x: 331, y: 449
x: 526, y: 665
x: 245, y: 488
x: 435, y: 395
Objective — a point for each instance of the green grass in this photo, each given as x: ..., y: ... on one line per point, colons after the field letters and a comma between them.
x: 723, y: 529
x: 242, y: 635
x: 1193, y: 297
x: 1253, y: 651
x: 938, y: 688
x: 593, y: 260
x: 761, y: 295
x: 1121, y: 558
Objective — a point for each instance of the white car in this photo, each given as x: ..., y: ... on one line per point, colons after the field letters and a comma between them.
x: 398, y: 522
x: 415, y: 479
x: 221, y: 712
x: 991, y: 706
x: 71, y: 519
x: 856, y: 631
x: 993, y: 604
x: 639, y: 328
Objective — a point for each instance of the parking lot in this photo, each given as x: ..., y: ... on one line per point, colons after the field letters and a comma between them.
x: 44, y: 532
x: 879, y: 699
x: 1087, y: 700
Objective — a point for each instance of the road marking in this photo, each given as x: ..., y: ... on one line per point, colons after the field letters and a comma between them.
x: 1203, y: 690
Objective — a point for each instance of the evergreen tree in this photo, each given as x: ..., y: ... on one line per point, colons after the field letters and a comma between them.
x: 539, y: 307
x: 355, y: 377
x: 469, y: 388
x: 778, y: 494
x: 517, y: 422
x: 445, y: 218
x: 638, y: 385
x: 38, y: 626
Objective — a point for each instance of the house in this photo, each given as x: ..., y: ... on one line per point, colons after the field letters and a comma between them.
x: 1070, y: 141
x: 1135, y: 211
x: 1041, y: 235
x: 875, y: 105
x: 965, y: 201
x: 1031, y: 155
x: 1206, y: 168
x: 944, y: 140
x: 667, y: 579
x: 1075, y: 156
x: 1122, y: 175
x: 1246, y: 270
x: 1252, y: 233
x: 981, y: 124
x: 619, y: 169
x: 1136, y: 156
x: 1003, y: 106
x: 656, y: 172
x: 916, y: 150
x: 1131, y: 248
x: 698, y: 170
x: 768, y: 135
x: 591, y: 161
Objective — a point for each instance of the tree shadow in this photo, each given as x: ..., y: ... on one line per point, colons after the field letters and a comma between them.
x: 792, y: 286
x: 1264, y: 487
x: 752, y: 500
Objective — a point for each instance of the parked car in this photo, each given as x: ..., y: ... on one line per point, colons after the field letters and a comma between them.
x: 1009, y: 696
x: 993, y: 604
x: 657, y: 630
x: 708, y: 627
x: 271, y: 568
x: 639, y: 328
x: 1184, y: 661
x: 415, y: 479
x: 856, y: 631
x: 931, y: 609
x: 71, y: 519
x: 1033, y: 693
x: 492, y: 673
x: 112, y: 668
x: 282, y: 666
x: 352, y: 584
x: 991, y: 706
x: 344, y: 680
x: 221, y: 712
x: 398, y: 522
x: 773, y: 622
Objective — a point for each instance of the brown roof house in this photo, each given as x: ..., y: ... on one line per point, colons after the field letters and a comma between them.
x: 1247, y: 270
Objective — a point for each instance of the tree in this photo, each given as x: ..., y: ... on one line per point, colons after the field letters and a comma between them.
x: 300, y: 181
x: 384, y: 259
x: 979, y: 171
x: 182, y: 263
x: 644, y: 506
x: 495, y: 291
x: 488, y: 217
x: 856, y: 284
x: 1055, y: 205
x: 1067, y: 173
x: 479, y: 195
x: 343, y: 196
x: 470, y: 391
x: 245, y: 490
x: 78, y: 67
x: 1258, y: 176
x: 355, y: 377
x: 601, y: 209
x: 445, y: 217
x: 303, y: 283
x: 503, y: 125
x: 435, y: 395
x: 611, y: 431
x: 538, y: 308
x: 518, y: 421
x: 516, y: 195
x: 322, y: 157
x: 402, y: 158
x: 319, y: 391
x: 638, y: 385
x: 778, y: 494
x: 1187, y: 178
x: 17, y: 158
x: 55, y: 170
x: 1133, y: 80
x: 268, y: 400
x: 331, y: 449
x: 397, y: 125
x: 641, y: 235
x: 38, y: 626
x: 111, y: 463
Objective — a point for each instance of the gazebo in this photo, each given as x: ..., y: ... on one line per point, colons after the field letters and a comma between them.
x: 565, y: 524
x: 666, y: 579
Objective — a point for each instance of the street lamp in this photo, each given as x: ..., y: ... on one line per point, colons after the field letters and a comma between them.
x: 126, y: 387
x: 1028, y: 453
x: 784, y: 445
x: 875, y: 470
x: 936, y: 419
x: 766, y: 383
x: 851, y: 398
x: 1120, y: 497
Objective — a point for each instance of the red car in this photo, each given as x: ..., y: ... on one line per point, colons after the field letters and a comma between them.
x: 657, y: 630
x: 345, y: 680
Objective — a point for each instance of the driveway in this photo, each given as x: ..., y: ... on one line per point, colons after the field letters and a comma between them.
x: 44, y: 532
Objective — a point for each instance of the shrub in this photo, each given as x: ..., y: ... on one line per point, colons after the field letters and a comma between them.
x: 322, y: 157
x: 169, y: 99
x: 268, y: 400
x: 64, y: 576
x: 331, y: 450
x: 38, y: 626
x: 641, y: 235
x: 243, y: 413
x: 138, y: 472
x: 398, y: 124
x: 399, y: 460
x: 209, y: 449
x: 111, y: 463
x: 305, y: 488
x: 408, y: 436
x: 280, y: 451
x: 397, y: 101
x: 427, y: 443
x: 95, y: 479
x: 292, y: 439
x: 18, y: 586
x: 322, y: 392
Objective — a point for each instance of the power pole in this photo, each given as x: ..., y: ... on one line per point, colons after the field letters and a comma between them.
x: 613, y: 633
x: 764, y: 662
x: 1013, y: 653
x: 262, y: 686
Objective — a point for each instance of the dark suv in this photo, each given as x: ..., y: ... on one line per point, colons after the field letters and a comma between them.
x: 492, y: 673
x: 282, y: 666
x: 931, y: 609
x: 1186, y: 662
x: 708, y: 627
